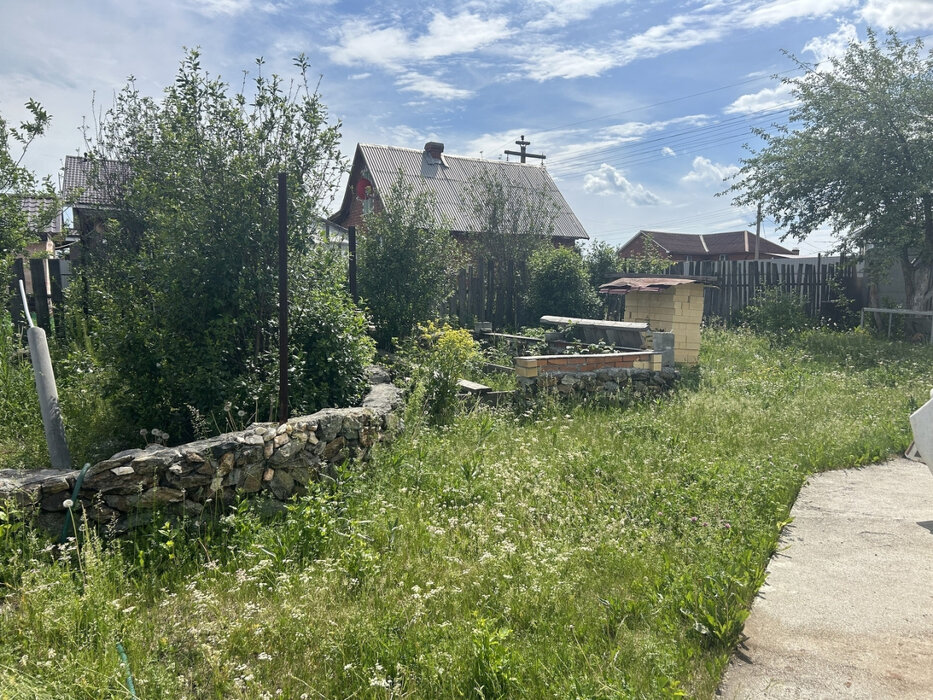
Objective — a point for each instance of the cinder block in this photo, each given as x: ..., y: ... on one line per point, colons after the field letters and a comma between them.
x: 526, y: 371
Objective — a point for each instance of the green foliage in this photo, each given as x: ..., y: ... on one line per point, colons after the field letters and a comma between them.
x: 857, y: 155
x: 558, y: 284
x: 407, y: 260
x: 437, y: 358
x: 182, y: 286
x: 775, y: 311
x: 602, y: 261
x: 650, y: 260
x: 515, y: 222
x: 16, y: 228
x: 588, y: 552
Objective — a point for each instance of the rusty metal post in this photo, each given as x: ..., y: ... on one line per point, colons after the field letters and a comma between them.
x: 283, y: 299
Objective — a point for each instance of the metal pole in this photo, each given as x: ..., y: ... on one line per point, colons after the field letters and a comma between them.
x: 59, y: 455
x: 283, y: 299
x: 351, y: 270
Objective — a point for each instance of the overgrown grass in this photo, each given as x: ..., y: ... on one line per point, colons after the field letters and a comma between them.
x: 570, y: 552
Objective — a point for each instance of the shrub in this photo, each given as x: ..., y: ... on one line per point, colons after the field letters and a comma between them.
x: 559, y: 284
x: 407, y: 260
x: 774, y: 311
x: 438, y: 357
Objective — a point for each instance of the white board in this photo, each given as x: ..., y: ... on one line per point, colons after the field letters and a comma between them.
x: 921, y: 422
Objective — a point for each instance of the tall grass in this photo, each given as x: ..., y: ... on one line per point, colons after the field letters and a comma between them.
x: 567, y: 552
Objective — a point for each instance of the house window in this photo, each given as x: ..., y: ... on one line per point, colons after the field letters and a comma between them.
x: 723, y: 257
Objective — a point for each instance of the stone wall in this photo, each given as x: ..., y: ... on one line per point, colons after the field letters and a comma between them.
x: 608, y: 383
x: 278, y: 460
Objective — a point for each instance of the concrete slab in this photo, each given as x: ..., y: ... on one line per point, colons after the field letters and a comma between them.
x: 847, y: 609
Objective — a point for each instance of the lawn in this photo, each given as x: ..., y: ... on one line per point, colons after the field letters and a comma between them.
x: 572, y: 551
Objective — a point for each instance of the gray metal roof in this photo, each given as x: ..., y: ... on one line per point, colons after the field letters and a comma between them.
x: 34, y: 206
x: 96, y: 181
x: 450, y: 179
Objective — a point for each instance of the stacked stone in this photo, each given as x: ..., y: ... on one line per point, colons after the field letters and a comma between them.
x: 280, y: 460
x: 608, y: 382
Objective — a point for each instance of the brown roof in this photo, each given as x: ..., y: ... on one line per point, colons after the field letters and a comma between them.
x: 725, y: 243
x: 624, y: 285
x: 449, y: 178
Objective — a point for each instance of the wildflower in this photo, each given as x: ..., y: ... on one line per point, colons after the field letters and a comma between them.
x: 263, y: 656
x: 68, y: 503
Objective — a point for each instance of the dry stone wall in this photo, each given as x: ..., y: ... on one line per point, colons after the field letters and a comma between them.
x: 278, y: 460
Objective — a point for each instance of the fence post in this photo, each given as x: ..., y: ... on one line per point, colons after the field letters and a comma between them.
x: 40, y: 291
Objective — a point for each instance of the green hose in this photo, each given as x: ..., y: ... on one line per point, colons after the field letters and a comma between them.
x: 129, y: 673
x: 66, y: 526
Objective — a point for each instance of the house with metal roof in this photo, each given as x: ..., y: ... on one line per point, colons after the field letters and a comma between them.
x: 93, y: 189
x: 730, y: 245
x: 449, y: 178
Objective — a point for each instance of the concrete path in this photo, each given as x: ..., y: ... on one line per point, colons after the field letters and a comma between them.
x: 847, y: 609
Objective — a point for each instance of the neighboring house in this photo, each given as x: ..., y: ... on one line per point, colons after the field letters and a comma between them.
x: 36, y: 207
x: 449, y: 178
x: 92, y: 188
x: 732, y: 245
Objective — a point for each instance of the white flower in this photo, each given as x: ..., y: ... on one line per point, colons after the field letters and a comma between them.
x: 68, y: 503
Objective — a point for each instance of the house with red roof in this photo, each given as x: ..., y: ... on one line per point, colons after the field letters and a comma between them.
x: 730, y: 245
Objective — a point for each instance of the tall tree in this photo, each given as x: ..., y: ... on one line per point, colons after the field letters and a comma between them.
x: 515, y: 222
x: 857, y: 154
x: 183, y: 284
x: 407, y: 259
x: 16, y: 182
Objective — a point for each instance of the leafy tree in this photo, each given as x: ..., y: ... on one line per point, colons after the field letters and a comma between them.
x: 407, y: 259
x: 857, y: 154
x: 182, y: 288
x: 602, y: 260
x: 651, y: 260
x: 16, y: 181
x: 558, y: 284
x: 515, y: 223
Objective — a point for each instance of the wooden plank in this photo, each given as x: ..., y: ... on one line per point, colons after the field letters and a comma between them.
x: 40, y: 292
x: 472, y: 387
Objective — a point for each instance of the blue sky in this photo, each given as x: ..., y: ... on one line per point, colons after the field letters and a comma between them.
x: 642, y: 108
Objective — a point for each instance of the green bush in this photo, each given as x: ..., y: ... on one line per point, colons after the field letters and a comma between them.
x: 559, y: 284
x: 437, y: 358
x: 407, y: 260
x: 775, y: 311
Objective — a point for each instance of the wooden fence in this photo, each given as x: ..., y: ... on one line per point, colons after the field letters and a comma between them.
x: 486, y: 291
x: 45, y: 280
x: 820, y: 284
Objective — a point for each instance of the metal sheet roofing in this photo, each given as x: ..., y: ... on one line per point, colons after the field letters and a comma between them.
x: 449, y: 179
x: 624, y: 285
x: 36, y: 206
x: 92, y: 180
x: 724, y: 243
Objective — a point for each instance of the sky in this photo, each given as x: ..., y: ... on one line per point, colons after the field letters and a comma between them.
x: 643, y: 109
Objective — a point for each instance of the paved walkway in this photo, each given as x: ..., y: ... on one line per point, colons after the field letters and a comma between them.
x: 847, y: 609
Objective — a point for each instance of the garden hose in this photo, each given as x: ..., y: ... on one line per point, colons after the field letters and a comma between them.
x: 66, y: 526
x: 129, y: 674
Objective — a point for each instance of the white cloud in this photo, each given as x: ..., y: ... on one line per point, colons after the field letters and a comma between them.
x: 212, y: 8
x: 832, y: 45
x: 900, y: 14
x: 779, y: 11
x: 608, y: 181
x: 633, y: 130
x: 668, y: 152
x: 546, y: 62
x: 428, y: 86
x: 560, y: 13
x: 364, y: 42
x: 706, y: 171
x: 762, y: 101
